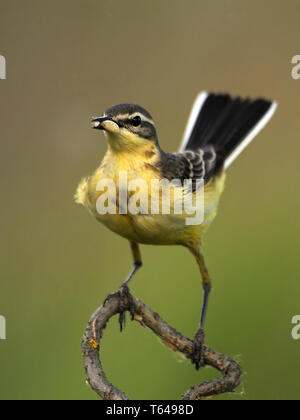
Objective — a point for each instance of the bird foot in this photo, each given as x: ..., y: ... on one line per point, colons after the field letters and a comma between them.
x: 125, y: 297
x: 198, y: 349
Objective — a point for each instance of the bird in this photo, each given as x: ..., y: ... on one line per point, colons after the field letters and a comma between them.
x: 219, y: 128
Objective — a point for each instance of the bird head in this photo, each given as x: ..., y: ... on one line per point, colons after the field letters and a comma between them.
x: 127, y: 126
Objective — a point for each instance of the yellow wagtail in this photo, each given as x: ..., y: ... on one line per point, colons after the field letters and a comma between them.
x: 219, y: 128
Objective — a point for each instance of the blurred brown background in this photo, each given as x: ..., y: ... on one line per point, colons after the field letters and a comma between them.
x: 69, y: 60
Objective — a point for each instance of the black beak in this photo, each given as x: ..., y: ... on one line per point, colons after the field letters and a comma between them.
x: 97, y: 122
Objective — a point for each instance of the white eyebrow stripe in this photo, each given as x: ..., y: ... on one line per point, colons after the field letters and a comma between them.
x: 136, y: 114
x: 143, y: 117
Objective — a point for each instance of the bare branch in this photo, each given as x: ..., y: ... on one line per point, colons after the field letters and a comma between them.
x: 118, y: 303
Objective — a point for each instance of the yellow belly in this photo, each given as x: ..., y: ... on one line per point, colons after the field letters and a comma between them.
x: 160, y: 229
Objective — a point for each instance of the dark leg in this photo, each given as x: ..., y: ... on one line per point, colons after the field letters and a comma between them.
x: 198, y: 356
x: 137, y: 259
x: 124, y: 290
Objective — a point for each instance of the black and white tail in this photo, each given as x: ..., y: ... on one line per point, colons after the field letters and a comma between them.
x: 225, y: 123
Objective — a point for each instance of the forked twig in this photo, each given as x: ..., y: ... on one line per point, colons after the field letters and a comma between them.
x: 117, y: 303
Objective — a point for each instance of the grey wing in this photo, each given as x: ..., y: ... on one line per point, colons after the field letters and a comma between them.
x: 190, y: 165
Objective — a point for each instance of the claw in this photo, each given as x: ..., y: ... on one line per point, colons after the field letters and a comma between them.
x: 107, y: 299
x: 122, y: 321
x: 198, y: 349
x: 124, y: 294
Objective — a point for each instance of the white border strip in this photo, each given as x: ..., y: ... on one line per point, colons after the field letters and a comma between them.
x: 259, y: 126
x: 196, y: 109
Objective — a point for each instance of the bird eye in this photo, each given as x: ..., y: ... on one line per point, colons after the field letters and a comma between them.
x: 136, y: 121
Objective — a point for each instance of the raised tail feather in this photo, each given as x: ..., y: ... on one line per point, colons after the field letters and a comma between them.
x: 227, y: 124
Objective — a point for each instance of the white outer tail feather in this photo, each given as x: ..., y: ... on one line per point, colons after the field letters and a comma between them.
x: 196, y: 109
x: 257, y: 129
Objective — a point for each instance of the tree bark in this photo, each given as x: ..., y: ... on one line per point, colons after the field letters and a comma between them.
x: 118, y: 303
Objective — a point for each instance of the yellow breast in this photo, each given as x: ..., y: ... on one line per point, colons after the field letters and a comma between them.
x: 161, y: 229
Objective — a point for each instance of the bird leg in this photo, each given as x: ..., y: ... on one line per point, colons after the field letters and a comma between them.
x: 124, y: 289
x: 198, y: 344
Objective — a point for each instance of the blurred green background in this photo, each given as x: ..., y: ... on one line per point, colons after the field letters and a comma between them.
x: 69, y: 60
